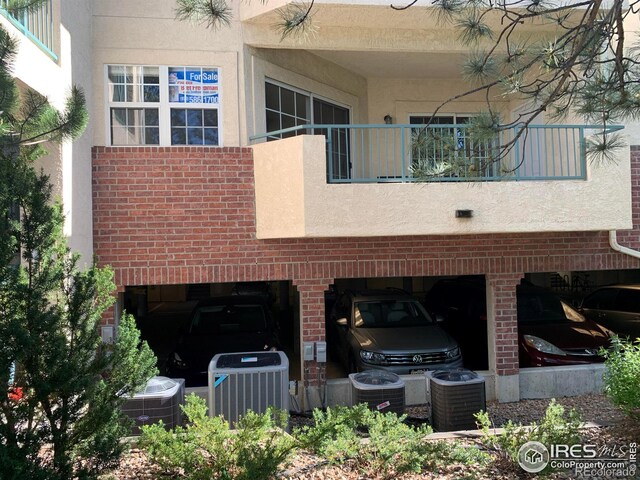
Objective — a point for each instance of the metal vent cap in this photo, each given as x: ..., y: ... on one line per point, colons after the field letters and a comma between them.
x: 157, y: 385
x: 373, y: 379
x: 454, y: 376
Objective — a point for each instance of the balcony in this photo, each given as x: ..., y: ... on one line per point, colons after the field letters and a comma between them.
x: 378, y: 180
x: 37, y: 25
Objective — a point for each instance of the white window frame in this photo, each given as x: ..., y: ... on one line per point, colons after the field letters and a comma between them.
x: 124, y: 104
x: 163, y: 106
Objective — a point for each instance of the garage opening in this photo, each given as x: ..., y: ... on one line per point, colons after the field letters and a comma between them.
x: 459, y: 305
x: 186, y: 325
x: 552, y: 327
x: 405, y: 324
x: 570, y: 319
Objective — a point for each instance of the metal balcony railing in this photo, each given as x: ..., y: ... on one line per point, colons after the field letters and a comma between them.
x: 37, y: 25
x: 447, y: 153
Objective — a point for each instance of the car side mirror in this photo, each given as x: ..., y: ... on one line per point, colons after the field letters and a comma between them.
x: 343, y: 322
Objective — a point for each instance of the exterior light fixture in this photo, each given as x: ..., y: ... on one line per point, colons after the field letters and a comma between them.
x: 388, y: 119
x: 464, y: 213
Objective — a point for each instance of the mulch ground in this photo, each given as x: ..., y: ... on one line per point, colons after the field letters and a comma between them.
x: 612, y: 429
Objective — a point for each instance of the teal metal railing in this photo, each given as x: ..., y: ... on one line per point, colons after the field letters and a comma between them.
x: 447, y: 153
x: 37, y: 25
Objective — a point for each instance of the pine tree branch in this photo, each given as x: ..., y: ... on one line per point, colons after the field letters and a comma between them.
x: 404, y: 7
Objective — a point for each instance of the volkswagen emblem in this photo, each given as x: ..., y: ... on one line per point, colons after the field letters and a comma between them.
x: 417, y: 359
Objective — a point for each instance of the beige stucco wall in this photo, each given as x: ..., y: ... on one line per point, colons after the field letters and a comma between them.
x: 271, y: 160
x: 147, y: 33
x: 69, y: 165
x: 76, y: 53
x: 37, y: 70
x: 402, y: 97
x: 600, y: 203
x: 249, y: 10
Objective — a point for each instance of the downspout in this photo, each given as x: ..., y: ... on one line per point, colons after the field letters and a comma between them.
x: 613, y: 242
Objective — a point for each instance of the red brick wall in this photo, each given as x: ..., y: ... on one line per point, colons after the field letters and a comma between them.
x: 505, y: 341
x: 186, y: 215
x: 312, y: 313
x: 172, y: 215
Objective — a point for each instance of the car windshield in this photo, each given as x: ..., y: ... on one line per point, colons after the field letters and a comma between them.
x: 544, y: 308
x: 229, y: 319
x: 390, y: 313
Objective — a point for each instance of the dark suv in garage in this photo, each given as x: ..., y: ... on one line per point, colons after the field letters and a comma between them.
x: 388, y: 330
x: 237, y: 323
x: 550, y: 332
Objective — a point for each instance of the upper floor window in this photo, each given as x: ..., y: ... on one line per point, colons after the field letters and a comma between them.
x: 161, y: 105
x: 286, y: 108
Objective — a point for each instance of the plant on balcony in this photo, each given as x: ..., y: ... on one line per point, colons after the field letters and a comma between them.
x: 433, y: 154
x: 60, y: 387
x: 455, y: 152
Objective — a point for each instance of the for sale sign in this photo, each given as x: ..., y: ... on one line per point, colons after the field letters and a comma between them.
x: 194, y: 85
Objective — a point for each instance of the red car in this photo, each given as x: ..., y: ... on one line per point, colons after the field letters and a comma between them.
x: 550, y: 332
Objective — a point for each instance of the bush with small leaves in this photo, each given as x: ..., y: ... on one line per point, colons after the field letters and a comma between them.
x: 336, y: 434
x: 379, y: 444
x: 556, y: 427
x: 622, y: 377
x: 207, y: 447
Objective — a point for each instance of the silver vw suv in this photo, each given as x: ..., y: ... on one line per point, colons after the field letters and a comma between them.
x: 388, y: 330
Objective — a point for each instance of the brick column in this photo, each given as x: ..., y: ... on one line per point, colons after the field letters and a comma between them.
x: 502, y: 318
x: 312, y: 327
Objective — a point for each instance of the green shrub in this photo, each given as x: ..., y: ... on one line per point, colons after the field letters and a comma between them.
x: 336, y: 434
x: 556, y: 427
x: 379, y: 443
x: 261, y: 445
x: 375, y: 443
x: 622, y: 377
x: 207, y: 448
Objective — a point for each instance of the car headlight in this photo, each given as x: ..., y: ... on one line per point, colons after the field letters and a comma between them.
x: 177, y: 361
x: 372, y: 357
x: 542, y: 345
x: 453, y: 353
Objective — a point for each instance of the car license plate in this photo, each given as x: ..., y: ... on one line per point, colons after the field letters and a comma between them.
x: 417, y: 372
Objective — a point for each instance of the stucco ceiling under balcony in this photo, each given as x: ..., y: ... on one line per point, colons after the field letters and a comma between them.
x: 396, y: 64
